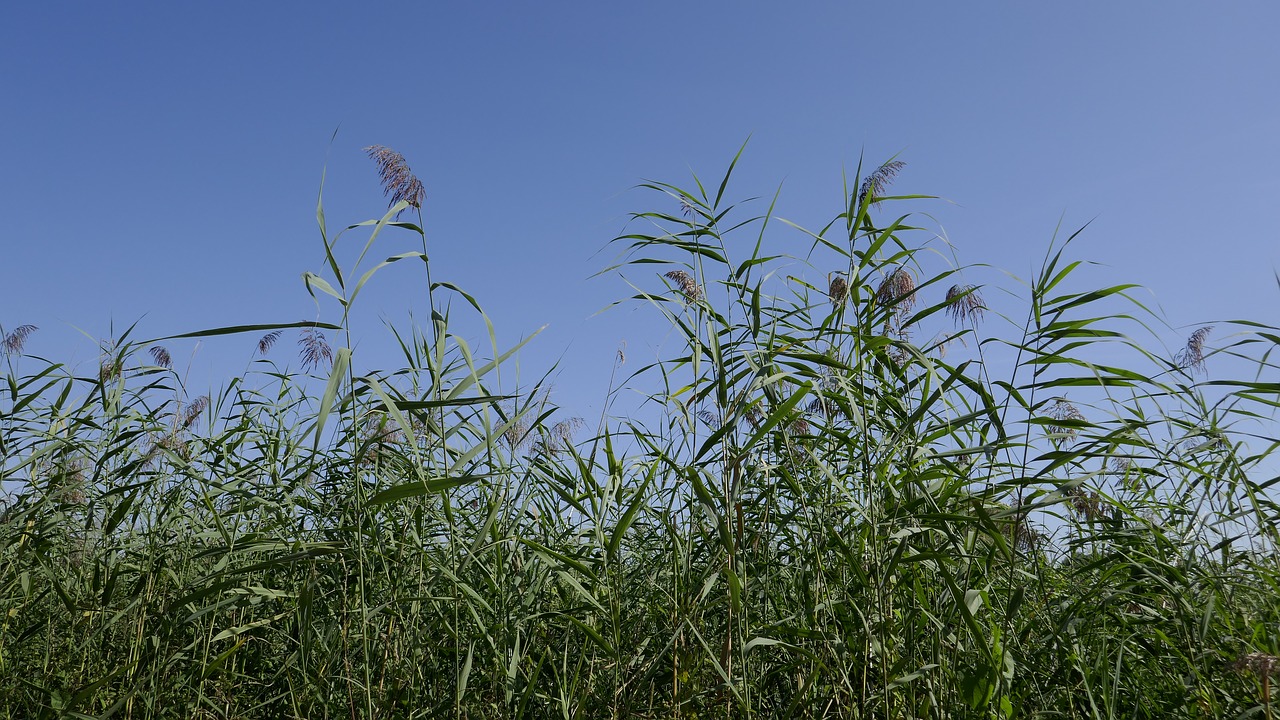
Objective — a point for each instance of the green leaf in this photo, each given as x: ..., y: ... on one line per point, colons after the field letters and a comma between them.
x: 423, y: 487
x: 340, y: 364
x: 237, y: 329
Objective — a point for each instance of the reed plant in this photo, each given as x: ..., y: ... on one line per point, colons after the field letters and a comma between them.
x: 859, y: 488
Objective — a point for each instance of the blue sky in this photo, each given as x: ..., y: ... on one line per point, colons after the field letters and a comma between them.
x: 161, y: 164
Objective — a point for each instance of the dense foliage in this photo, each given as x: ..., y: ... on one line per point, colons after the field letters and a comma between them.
x: 819, y: 511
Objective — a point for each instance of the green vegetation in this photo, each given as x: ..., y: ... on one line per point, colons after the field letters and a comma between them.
x: 818, y: 512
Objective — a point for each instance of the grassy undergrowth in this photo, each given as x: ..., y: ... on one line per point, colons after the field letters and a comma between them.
x: 877, y: 496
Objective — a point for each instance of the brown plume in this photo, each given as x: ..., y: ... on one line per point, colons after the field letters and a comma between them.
x: 398, y: 181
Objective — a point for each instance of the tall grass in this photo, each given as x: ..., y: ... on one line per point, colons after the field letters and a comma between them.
x: 859, y: 488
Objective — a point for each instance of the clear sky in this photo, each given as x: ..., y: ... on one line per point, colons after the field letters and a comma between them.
x: 160, y: 162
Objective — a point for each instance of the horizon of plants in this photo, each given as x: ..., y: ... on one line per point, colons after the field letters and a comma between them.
x: 848, y: 500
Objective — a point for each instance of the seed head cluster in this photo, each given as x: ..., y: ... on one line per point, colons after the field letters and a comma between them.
x: 14, y: 341
x: 398, y: 181
x: 878, y: 181
x: 686, y: 283
x: 897, y: 290
x: 964, y: 304
x: 1064, y: 410
x: 110, y: 363
x: 1261, y: 664
x: 315, y: 350
x: 1191, y: 357
x: 837, y: 289
x: 267, y: 341
x: 191, y: 413
x: 160, y: 355
x: 517, y: 433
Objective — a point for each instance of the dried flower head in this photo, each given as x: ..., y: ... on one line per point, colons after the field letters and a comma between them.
x: 823, y: 405
x: 709, y: 419
x: 173, y: 440
x: 191, y: 413
x: 314, y: 349
x: 877, y: 181
x: 67, y: 482
x: 1259, y: 663
x: 161, y: 356
x: 799, y: 426
x: 560, y: 436
x: 378, y: 431
x: 898, y: 290
x: 564, y: 430
x: 14, y: 341
x: 1086, y: 504
x: 687, y: 286
x: 111, y: 366
x: 517, y: 433
x: 1191, y: 357
x: 398, y: 181
x: 837, y: 289
x: 1062, y: 411
x: 686, y: 207
x: 942, y: 343
x: 754, y: 415
x: 621, y: 357
x: 267, y: 341
x: 899, y: 353
x: 964, y: 304
x: 378, y: 440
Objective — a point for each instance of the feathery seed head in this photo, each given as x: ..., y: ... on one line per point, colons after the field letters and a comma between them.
x: 193, y: 412
x: 14, y: 341
x: 837, y: 289
x: 398, y: 181
x: 1024, y: 536
x: 517, y: 433
x: 559, y: 437
x: 942, y: 346
x: 314, y: 349
x: 268, y: 340
x: 946, y: 339
x: 108, y: 371
x: 564, y: 430
x: 687, y: 285
x: 1259, y: 663
x: 877, y: 181
x: 898, y: 290
x: 899, y: 354
x: 964, y: 304
x: 1086, y: 504
x: 68, y: 483
x: 1191, y: 357
x: 378, y: 441
x: 800, y: 426
x: 161, y: 356
x: 110, y: 364
x: 824, y: 406
x: 1064, y: 410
